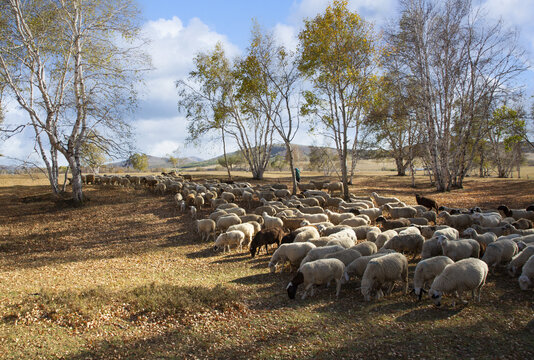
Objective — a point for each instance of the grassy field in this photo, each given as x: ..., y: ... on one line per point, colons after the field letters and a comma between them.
x: 126, y: 276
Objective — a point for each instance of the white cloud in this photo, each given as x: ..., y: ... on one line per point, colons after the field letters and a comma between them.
x: 286, y: 35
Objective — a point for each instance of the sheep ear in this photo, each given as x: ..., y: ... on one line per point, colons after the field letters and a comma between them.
x: 289, y: 285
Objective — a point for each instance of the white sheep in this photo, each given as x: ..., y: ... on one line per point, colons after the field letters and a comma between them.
x: 526, y: 280
x: 499, y: 252
x: 373, y: 213
x: 459, y: 221
x: 383, y: 237
x: 409, y: 243
x: 486, y: 238
x: 308, y: 233
x: 384, y: 270
x: 487, y: 219
x: 318, y: 272
x: 227, y: 239
x: 400, y: 212
x: 356, y: 221
x: 193, y: 211
x: 357, y: 267
x: 313, y: 218
x: 464, y: 275
x: 345, y: 242
x: 238, y: 211
x: 365, y: 248
x: 346, y: 256
x: 426, y: 270
x: 431, y: 248
x: 382, y: 200
x: 206, y: 228
x: 362, y: 231
x: 247, y: 229
x: 410, y: 230
x: 372, y: 235
x: 294, y: 253
x: 217, y: 214
x: 270, y: 222
x: 334, y: 229
x: 449, y: 232
x: 320, y: 252
x: 224, y: 222
x: 459, y: 249
x: 518, y: 261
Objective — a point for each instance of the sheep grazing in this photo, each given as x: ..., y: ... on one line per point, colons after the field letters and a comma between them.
x: 459, y: 249
x: 426, y: 270
x: 336, y: 186
x: 392, y: 224
x: 381, y: 200
x: 522, y: 224
x: 346, y: 256
x: 486, y: 238
x: 427, y: 202
x: 308, y: 233
x: 518, y: 261
x: 400, y: 212
x: 193, y: 211
x: 265, y: 238
x: 516, y: 213
x: 355, y: 221
x: 431, y: 248
x: 373, y: 213
x: 362, y: 231
x: 230, y: 238
x: 345, y: 242
x: 460, y: 221
x: 320, y: 252
x: 272, y: 221
x: 206, y: 228
x: 409, y: 243
x: 365, y: 248
x: 224, y: 222
x: 357, y: 267
x: 526, y: 280
x: 246, y: 228
x: 373, y: 234
x: 448, y: 232
x: 384, y: 237
x: 499, y: 252
x: 317, y: 272
x: 464, y: 275
x: 334, y: 229
x: 294, y: 253
x: 487, y: 219
x: 384, y: 270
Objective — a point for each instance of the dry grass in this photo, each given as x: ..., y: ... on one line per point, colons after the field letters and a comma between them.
x: 126, y: 277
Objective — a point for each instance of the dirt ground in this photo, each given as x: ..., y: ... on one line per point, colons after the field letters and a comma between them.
x: 126, y: 276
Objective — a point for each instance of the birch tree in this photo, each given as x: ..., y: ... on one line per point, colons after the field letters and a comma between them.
x: 277, y: 82
x: 337, y: 54
x: 73, y: 66
x: 463, y: 64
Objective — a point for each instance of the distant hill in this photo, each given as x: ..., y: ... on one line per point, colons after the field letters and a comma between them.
x: 159, y: 162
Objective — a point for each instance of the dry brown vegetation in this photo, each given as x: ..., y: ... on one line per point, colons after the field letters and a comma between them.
x: 126, y: 276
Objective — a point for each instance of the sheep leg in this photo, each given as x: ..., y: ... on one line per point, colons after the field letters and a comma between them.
x: 338, y: 287
x: 306, y: 290
x: 390, y: 287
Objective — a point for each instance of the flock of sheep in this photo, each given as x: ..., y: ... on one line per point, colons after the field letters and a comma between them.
x: 326, y: 239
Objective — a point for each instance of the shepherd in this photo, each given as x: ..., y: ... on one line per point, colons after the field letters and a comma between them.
x: 297, y: 174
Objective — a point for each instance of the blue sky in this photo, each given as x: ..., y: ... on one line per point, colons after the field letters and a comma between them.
x: 180, y: 29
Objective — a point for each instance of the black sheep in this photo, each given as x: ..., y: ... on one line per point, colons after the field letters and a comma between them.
x: 428, y: 202
x: 264, y: 238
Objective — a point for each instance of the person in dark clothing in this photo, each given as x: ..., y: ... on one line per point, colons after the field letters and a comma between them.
x: 297, y: 174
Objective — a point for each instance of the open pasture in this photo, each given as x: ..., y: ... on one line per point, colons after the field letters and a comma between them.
x: 126, y: 276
